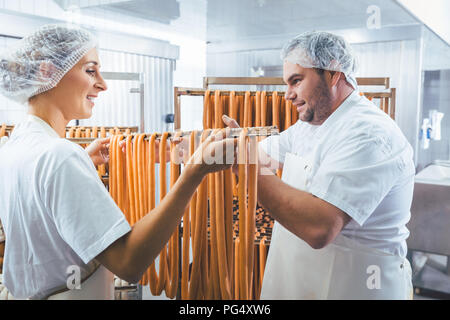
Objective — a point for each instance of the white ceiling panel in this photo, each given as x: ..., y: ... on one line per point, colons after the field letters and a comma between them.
x: 246, y: 19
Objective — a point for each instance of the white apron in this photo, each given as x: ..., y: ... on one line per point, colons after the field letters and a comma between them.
x: 98, y: 286
x: 343, y: 269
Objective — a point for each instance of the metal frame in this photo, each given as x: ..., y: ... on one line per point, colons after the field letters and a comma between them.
x: 207, y: 81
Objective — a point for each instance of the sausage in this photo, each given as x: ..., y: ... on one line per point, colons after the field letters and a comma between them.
x: 152, y: 275
x: 213, y: 293
x: 218, y: 110
x: 112, y: 172
x: 206, y: 113
x: 275, y: 110
x: 228, y: 211
x: 172, y: 283
x: 136, y: 179
x: 252, y: 200
x: 119, y: 175
x: 258, y: 109
x: 199, y: 237
x: 101, y: 167
x: 288, y: 114
x: 187, y: 228
x: 247, y: 109
x: 262, y: 260
x: 263, y: 109
x: 162, y: 194
x: 139, y: 174
x: 222, y: 258
x: 236, y: 269
x: 3, y: 130
x: 130, y: 180
x: 234, y: 115
x: 140, y: 157
x: 240, y: 110
x: 243, y: 263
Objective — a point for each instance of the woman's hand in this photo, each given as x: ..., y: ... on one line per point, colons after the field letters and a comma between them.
x: 98, y: 150
x: 216, y: 153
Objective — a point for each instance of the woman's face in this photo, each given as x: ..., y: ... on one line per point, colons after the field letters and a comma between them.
x: 76, y: 92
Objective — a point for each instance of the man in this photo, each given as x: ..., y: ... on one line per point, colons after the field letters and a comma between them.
x: 344, y: 198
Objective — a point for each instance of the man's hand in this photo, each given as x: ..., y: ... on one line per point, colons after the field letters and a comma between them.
x: 266, y: 165
x: 231, y: 123
x: 98, y: 151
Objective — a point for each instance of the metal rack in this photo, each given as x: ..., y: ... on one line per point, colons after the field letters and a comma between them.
x: 387, y: 98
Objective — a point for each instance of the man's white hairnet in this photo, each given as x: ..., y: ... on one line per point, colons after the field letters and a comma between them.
x: 322, y: 50
x: 37, y: 63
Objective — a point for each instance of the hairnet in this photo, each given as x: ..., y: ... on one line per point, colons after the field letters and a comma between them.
x: 322, y: 50
x: 37, y: 62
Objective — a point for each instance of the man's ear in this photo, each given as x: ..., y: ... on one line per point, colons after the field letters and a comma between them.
x: 335, y: 77
x: 46, y: 69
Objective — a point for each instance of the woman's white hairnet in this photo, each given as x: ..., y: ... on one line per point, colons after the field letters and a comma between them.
x: 36, y: 63
x: 322, y: 50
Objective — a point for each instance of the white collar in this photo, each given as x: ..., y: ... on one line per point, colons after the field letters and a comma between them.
x: 49, y: 130
x: 342, y: 109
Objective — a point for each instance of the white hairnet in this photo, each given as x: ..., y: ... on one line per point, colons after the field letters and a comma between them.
x: 322, y: 50
x: 38, y: 62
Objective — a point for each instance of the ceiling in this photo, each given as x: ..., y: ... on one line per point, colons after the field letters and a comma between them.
x: 236, y: 19
x: 219, y: 21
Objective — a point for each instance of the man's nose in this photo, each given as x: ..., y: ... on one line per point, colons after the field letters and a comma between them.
x: 289, y: 94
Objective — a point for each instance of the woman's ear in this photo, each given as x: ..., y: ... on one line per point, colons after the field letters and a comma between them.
x: 46, y: 70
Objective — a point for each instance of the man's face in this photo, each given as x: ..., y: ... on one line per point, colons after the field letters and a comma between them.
x: 309, y: 93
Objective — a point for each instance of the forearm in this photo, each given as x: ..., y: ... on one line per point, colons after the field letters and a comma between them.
x: 144, y: 242
x: 300, y: 212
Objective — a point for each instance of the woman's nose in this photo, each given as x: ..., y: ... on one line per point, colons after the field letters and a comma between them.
x: 101, y: 84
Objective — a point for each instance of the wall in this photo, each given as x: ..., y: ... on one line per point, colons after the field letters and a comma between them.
x: 436, y: 96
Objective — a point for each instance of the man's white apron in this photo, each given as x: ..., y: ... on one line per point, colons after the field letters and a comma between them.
x: 343, y: 269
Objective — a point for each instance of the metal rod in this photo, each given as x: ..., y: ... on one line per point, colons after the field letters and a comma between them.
x: 201, y: 92
x: 235, y: 132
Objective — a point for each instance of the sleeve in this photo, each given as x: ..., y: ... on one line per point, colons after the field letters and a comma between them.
x: 356, y: 174
x: 84, y: 213
x: 277, y: 146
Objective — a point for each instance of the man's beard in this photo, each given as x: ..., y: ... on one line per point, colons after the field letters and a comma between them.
x: 319, y: 107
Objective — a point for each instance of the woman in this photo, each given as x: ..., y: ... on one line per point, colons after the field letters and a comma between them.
x: 58, y: 218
